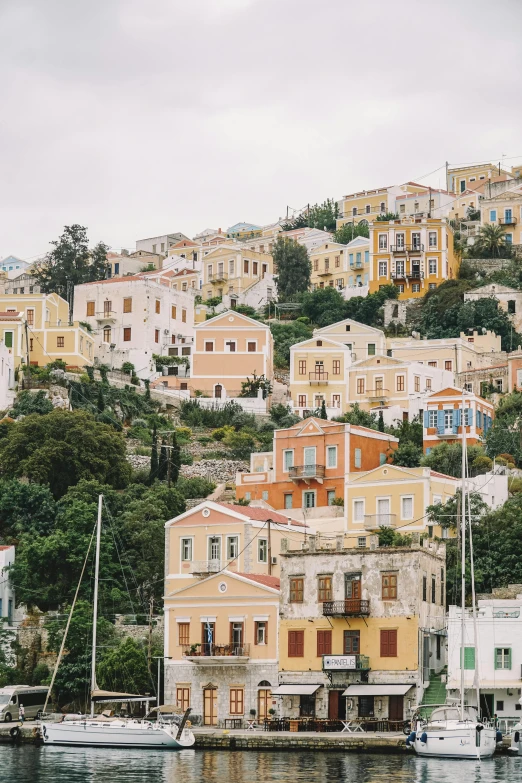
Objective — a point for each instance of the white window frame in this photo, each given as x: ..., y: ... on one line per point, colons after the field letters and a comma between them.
x: 228, y: 541
x: 226, y: 346
x: 181, y: 548
x: 314, y: 493
x: 354, y: 516
x: 384, y: 266
x: 383, y: 241
x: 205, y: 341
x: 403, y: 498
x: 262, y: 544
x: 329, y: 450
x: 415, y: 288
x: 246, y: 345
x: 432, y: 261
x: 218, y: 536
x: 210, y: 271
x: 286, y: 469
x: 431, y: 235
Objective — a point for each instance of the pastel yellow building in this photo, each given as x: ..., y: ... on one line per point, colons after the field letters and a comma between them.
x: 229, y: 270
x: 461, y: 178
x: 396, y: 497
x: 361, y: 627
x: 328, y: 266
x: 455, y: 354
x: 415, y: 255
x: 38, y: 325
x: 505, y: 210
x: 366, y: 205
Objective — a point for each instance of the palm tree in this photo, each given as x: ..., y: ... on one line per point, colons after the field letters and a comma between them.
x: 491, y: 242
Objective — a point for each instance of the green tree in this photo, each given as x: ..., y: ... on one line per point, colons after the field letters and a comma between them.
x: 101, y: 400
x: 406, y: 430
x: 349, y: 231
x: 324, y: 306
x: 285, y: 335
x: 408, y: 455
x: 163, y: 466
x: 323, y: 414
x: 28, y: 402
x: 63, y: 447
x: 380, y: 421
x: 490, y: 243
x: 293, y: 267
x: 241, y: 444
x: 175, y: 462
x: 446, y: 514
x: 505, y: 436
x: 124, y: 669
x: 386, y: 216
x: 369, y: 309
x: 358, y: 416
x: 447, y: 458
x: 24, y: 508
x: 323, y: 216
x: 154, y: 462
x: 71, y: 263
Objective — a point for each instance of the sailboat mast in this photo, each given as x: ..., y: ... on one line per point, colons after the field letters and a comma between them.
x: 463, y: 559
x: 95, y: 607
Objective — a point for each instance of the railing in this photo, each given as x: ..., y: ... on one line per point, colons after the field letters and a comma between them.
x: 375, y: 521
x: 416, y: 248
x: 105, y: 314
x: 218, y: 277
x: 350, y: 607
x: 306, y: 471
x: 211, y: 649
x: 325, y: 272
x: 512, y: 221
x: 415, y: 274
x: 377, y: 394
x: 209, y: 566
x: 319, y: 377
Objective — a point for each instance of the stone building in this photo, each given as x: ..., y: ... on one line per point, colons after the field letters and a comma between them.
x: 361, y: 627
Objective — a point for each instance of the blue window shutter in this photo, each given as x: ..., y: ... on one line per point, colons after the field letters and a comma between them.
x: 426, y: 419
x: 350, y: 280
x: 428, y: 451
x: 457, y: 414
x: 366, y: 278
x: 366, y: 256
x: 440, y: 422
x: 351, y: 259
x: 492, y: 215
x: 479, y: 419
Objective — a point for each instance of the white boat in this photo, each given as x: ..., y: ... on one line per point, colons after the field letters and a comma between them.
x: 452, y: 730
x: 450, y: 733
x: 104, y: 730
x: 515, y: 749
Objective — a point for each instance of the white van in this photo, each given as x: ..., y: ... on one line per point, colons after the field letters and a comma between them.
x: 33, y: 700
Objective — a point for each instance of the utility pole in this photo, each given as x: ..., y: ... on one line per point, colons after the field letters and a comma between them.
x: 429, y: 204
x: 27, y: 357
x: 149, y: 650
x: 447, y: 178
x: 269, y: 547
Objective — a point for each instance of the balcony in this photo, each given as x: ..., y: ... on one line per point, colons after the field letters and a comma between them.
x: 325, y: 273
x: 306, y: 472
x: 510, y: 221
x: 399, y: 249
x: 318, y: 377
x: 378, y: 394
x: 207, y: 653
x: 205, y: 567
x: 350, y: 607
x: 375, y: 521
x: 219, y: 277
x: 107, y: 316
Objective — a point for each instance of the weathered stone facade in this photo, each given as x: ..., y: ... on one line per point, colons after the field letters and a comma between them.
x: 395, y: 311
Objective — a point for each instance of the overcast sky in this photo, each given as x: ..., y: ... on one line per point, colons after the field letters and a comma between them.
x: 139, y: 117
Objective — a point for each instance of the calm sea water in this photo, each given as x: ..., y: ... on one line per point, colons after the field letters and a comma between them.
x: 87, y: 765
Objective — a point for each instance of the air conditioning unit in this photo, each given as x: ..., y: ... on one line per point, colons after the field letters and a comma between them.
x: 166, y: 331
x: 274, y: 560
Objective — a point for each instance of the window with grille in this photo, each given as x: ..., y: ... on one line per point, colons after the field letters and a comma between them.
x: 324, y: 643
x: 502, y: 657
x: 389, y: 643
x: 301, y: 401
x: 30, y: 317
x: 107, y: 307
x: 351, y: 642
x: 261, y: 632
x: 237, y: 701
x: 296, y: 590
x: 389, y: 587
x: 360, y: 385
x: 295, y: 644
x: 186, y: 549
x: 331, y: 456
x: 352, y: 585
x: 184, y: 634
x: 324, y: 589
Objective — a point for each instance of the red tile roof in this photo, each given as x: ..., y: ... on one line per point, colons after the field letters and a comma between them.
x: 261, y: 514
x: 263, y: 579
x: 442, y: 475
x: 9, y: 547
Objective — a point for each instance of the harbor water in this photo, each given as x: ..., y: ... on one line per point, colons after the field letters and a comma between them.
x: 30, y: 764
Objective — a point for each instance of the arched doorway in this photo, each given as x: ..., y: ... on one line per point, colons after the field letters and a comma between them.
x: 218, y: 390
x: 210, y: 705
x: 264, y: 699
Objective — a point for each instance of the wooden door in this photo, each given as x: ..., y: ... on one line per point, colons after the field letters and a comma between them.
x: 217, y: 391
x: 210, y: 706
x: 333, y: 705
x: 264, y: 699
x: 396, y: 709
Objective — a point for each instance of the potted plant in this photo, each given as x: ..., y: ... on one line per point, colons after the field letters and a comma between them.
x: 271, y: 711
x: 194, y: 649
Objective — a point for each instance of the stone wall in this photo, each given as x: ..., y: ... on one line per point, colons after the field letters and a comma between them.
x: 395, y: 311
x: 488, y: 265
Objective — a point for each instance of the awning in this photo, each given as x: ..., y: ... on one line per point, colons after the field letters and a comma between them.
x: 109, y: 697
x: 493, y: 684
x: 295, y: 690
x: 378, y: 690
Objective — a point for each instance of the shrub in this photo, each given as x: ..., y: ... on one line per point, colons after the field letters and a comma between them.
x: 482, y: 464
x: 241, y: 444
x: 222, y: 432
x: 183, y: 433
x: 143, y: 451
x: 186, y: 458
x: 29, y: 402
x: 194, y: 487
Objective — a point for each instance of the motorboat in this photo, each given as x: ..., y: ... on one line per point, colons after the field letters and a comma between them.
x: 451, y: 733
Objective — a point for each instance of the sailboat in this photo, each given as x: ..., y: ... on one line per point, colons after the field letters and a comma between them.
x: 103, y: 730
x: 454, y: 730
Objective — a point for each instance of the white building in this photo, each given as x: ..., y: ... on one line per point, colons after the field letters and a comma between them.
x: 7, y: 380
x: 7, y: 596
x: 492, y: 487
x: 496, y: 660
x: 13, y: 266
x: 161, y: 243
x: 133, y: 318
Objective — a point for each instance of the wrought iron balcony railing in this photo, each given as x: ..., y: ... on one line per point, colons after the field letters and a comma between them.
x: 306, y: 471
x: 350, y: 607
x: 213, y: 650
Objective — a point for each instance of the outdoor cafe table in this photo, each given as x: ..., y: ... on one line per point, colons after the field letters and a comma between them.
x: 351, y: 726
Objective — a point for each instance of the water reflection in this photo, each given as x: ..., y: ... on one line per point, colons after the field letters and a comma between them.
x: 88, y: 765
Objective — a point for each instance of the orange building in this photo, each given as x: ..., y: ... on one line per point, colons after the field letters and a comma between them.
x: 448, y: 411
x: 310, y: 463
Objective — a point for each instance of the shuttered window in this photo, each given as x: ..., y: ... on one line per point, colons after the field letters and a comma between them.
x: 324, y: 643
x: 296, y: 591
x: 502, y: 657
x: 324, y: 588
x: 237, y: 701
x: 389, y: 643
x: 389, y: 587
x: 295, y: 644
x: 184, y: 634
x: 352, y: 642
x: 469, y: 657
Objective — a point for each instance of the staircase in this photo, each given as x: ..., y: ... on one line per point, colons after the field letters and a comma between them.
x: 434, y: 694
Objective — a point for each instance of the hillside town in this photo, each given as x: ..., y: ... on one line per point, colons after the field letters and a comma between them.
x: 292, y: 429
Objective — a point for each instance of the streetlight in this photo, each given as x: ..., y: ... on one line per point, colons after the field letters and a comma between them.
x: 159, y: 658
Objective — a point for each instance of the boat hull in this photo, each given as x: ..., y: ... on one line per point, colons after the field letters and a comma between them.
x: 116, y: 734
x: 463, y: 742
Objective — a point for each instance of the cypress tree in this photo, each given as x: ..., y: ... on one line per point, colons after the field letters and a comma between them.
x: 163, y: 461
x: 380, y: 423
x: 154, y: 465
x: 175, y: 459
x: 323, y: 414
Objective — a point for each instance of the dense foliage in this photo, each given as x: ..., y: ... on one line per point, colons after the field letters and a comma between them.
x: 286, y: 334
x: 293, y: 267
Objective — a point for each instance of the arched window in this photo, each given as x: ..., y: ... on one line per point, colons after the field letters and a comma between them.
x: 264, y: 684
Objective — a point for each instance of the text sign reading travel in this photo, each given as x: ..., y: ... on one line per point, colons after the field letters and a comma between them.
x: 339, y: 662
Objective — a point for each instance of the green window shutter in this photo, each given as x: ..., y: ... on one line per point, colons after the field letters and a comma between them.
x: 469, y: 657
x: 508, y: 666
x: 496, y: 659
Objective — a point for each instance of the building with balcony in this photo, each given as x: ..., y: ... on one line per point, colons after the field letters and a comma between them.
x: 132, y: 318
x: 448, y: 411
x: 49, y: 335
x: 367, y: 205
x: 414, y: 253
x: 457, y: 355
x: 396, y: 497
x: 505, y: 209
x: 310, y: 464
x: 221, y: 636
x: 227, y: 349
x: 361, y: 627
x: 494, y: 653
x: 462, y: 178
x: 230, y: 269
